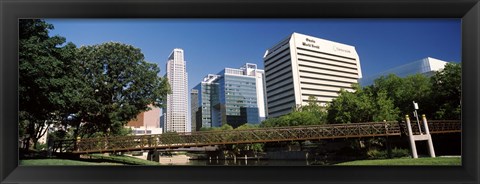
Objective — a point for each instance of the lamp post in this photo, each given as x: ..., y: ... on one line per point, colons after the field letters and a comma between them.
x: 415, y: 105
x: 76, y: 123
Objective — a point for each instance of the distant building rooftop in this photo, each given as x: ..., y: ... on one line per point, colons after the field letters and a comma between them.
x: 426, y: 66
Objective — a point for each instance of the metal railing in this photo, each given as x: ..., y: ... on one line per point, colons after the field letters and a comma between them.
x: 260, y: 135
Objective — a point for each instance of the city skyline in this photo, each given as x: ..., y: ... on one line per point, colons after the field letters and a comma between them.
x: 213, y: 44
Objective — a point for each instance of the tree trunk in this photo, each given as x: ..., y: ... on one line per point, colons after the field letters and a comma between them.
x: 30, y: 134
x: 26, y: 145
x: 38, y: 131
x: 75, y: 135
x: 35, y: 142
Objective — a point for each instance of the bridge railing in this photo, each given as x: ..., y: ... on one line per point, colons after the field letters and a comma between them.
x: 435, y: 127
x: 259, y: 135
x: 63, y: 146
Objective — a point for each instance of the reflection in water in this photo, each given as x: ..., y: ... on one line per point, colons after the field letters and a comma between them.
x: 243, y: 162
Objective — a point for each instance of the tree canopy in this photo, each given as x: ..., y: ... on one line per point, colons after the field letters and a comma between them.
x: 225, y: 126
x: 310, y: 114
x: 120, y: 84
x: 362, y: 105
x: 403, y: 91
x: 90, y: 89
x: 391, y: 98
x: 46, y: 78
x: 448, y: 92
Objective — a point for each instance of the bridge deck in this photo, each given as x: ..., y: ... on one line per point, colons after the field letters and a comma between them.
x: 261, y: 135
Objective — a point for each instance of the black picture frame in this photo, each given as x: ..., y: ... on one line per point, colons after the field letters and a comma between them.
x: 12, y: 10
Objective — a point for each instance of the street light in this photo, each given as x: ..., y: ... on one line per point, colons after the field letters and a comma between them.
x: 415, y: 105
x: 70, y: 117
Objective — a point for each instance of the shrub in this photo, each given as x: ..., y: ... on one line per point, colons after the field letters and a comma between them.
x: 41, y: 146
x: 376, y: 154
x: 383, y: 154
x: 399, y: 153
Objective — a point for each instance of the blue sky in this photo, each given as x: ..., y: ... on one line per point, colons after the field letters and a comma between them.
x: 213, y: 44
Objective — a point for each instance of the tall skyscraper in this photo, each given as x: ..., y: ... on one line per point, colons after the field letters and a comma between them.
x: 175, y: 115
x: 233, y: 96
x: 301, y: 66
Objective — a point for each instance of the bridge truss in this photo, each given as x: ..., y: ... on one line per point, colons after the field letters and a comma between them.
x: 260, y: 135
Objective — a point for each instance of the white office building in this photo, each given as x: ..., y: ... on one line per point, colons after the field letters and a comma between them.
x: 426, y: 66
x: 301, y: 66
x: 175, y: 115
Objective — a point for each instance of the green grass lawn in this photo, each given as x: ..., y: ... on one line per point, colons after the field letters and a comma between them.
x: 42, y: 162
x: 107, y: 160
x: 441, y: 161
x: 125, y: 159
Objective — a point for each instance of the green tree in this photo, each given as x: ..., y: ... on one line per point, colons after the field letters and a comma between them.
x: 46, y: 77
x: 448, y: 91
x: 247, y: 126
x: 384, y: 108
x: 221, y: 128
x: 255, y: 147
x: 226, y: 126
x: 350, y: 107
x: 310, y: 114
x: 403, y: 91
x: 439, y: 96
x: 362, y: 105
x: 119, y: 84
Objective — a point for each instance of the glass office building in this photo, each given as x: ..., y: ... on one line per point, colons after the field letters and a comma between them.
x: 233, y: 96
x: 206, y: 93
x: 238, y: 98
x: 426, y: 66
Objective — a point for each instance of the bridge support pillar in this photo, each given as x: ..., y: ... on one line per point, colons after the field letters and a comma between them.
x: 411, y: 139
x: 429, y: 138
x: 421, y: 137
x: 153, y: 156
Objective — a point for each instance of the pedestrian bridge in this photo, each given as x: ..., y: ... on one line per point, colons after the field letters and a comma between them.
x: 248, y: 136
